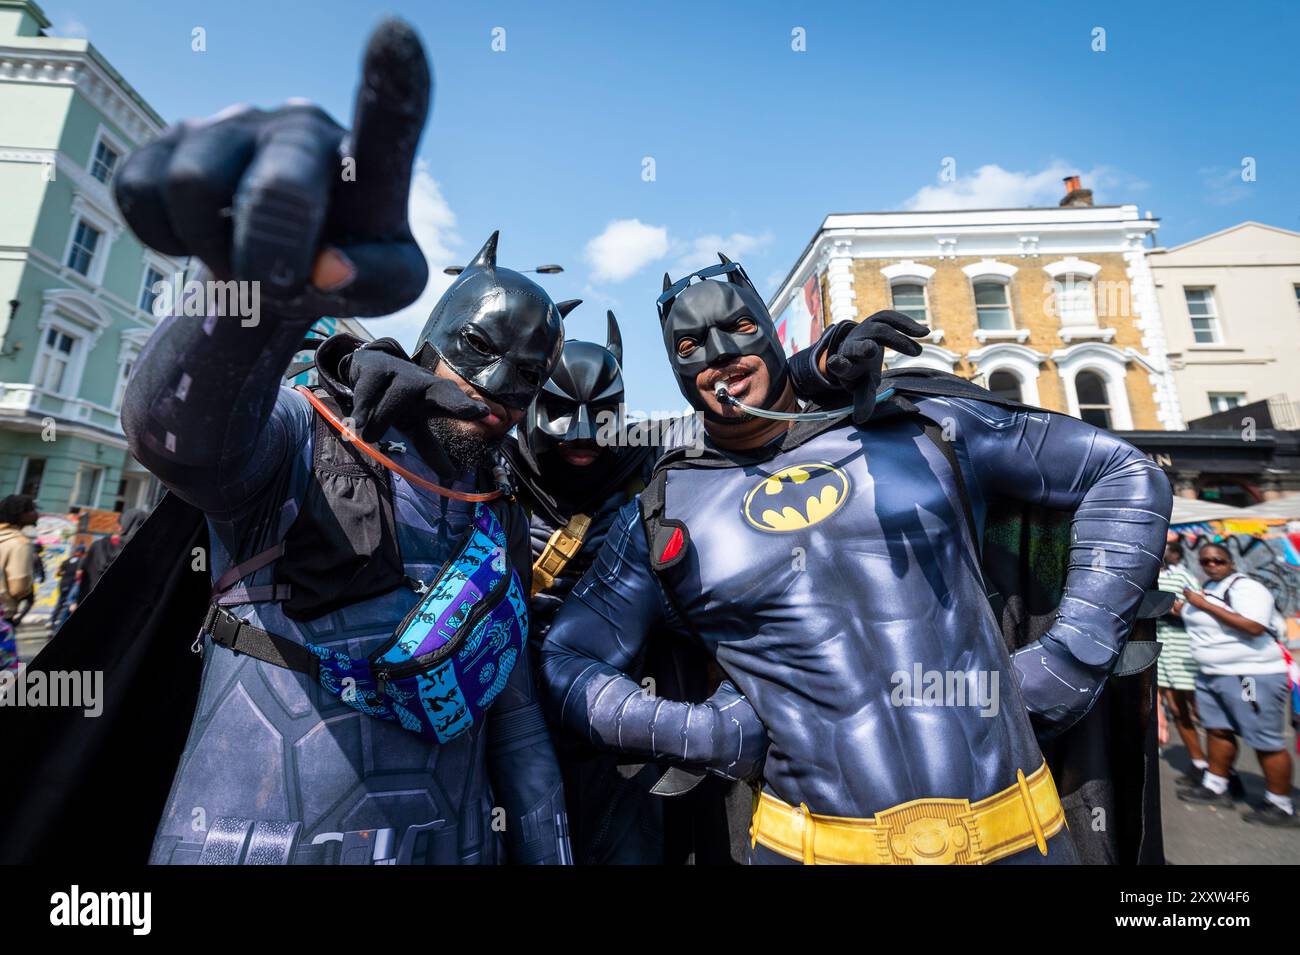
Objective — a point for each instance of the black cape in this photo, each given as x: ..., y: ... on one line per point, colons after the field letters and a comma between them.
x: 80, y: 787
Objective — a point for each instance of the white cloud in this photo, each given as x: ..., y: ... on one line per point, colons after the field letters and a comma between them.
x: 624, y: 248
x: 433, y: 224
x: 71, y: 28
x: 704, y: 250
x: 1223, y: 187
x: 992, y: 187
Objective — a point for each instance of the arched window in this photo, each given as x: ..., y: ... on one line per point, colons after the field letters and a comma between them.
x: 1094, y: 403
x: 992, y: 307
x: 909, y: 298
x: 1005, y: 384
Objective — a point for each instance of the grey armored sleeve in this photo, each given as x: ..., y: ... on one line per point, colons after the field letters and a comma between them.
x: 1121, y: 503
x: 600, y: 633
x: 198, y: 409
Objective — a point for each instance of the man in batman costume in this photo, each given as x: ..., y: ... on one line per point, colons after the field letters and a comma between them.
x: 576, y: 461
x: 886, y: 707
x: 365, y: 697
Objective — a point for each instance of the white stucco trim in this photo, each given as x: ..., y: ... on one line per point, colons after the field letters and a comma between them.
x: 1072, y: 333
x: 985, y: 335
x: 839, y: 281
x: 932, y: 356
x: 1020, y: 360
x: 1108, y: 362
x: 990, y: 269
x: 902, y: 271
x: 1071, y: 265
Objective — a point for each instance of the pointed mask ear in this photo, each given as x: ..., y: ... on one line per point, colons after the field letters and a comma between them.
x: 613, y: 339
x: 568, y: 305
x: 723, y: 259
x: 487, y: 256
x: 668, y: 282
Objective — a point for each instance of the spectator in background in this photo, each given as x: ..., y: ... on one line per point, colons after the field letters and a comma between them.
x: 68, y: 581
x: 101, y: 552
x: 1243, y: 688
x: 17, y: 552
x: 1175, y: 669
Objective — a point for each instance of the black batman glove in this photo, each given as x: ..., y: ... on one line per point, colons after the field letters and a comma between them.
x: 388, y: 389
x: 856, y: 353
x: 258, y: 195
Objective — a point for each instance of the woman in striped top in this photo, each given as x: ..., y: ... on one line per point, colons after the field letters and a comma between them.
x: 1175, y: 669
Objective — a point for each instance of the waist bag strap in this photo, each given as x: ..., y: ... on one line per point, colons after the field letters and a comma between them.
x: 229, y: 631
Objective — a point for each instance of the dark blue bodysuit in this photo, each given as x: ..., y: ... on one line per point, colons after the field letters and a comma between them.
x: 276, y: 770
x: 833, y: 599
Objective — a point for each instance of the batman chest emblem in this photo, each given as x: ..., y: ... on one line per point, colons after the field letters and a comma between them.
x: 796, y: 497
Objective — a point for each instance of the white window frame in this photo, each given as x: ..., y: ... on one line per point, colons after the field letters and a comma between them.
x: 157, y: 266
x: 1215, y: 395
x: 76, y: 358
x: 113, y: 142
x: 1108, y: 407
x: 95, y: 255
x: 22, y: 471
x: 100, y: 472
x: 80, y: 315
x: 1111, y: 364
x: 128, y: 354
x: 85, y: 207
x: 1001, y: 273
x: 928, y: 319
x: 1216, y: 320
x: 1020, y: 360
x: 1006, y: 291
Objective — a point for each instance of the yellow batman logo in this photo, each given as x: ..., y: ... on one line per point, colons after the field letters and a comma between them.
x: 796, y: 497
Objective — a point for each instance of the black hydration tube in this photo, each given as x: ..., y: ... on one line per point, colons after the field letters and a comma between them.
x: 720, y: 392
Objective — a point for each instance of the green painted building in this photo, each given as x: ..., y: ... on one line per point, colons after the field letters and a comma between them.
x: 74, y: 283
x: 76, y: 287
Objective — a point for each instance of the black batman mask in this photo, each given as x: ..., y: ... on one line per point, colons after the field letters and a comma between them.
x: 495, y: 328
x: 710, y: 313
x: 585, y: 388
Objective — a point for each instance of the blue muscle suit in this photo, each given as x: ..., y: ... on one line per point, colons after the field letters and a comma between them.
x: 827, y: 570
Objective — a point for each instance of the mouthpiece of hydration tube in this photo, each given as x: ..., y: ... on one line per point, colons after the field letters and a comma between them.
x: 724, y: 398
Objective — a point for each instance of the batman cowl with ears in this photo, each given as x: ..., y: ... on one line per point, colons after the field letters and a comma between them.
x: 572, y: 457
x: 566, y: 466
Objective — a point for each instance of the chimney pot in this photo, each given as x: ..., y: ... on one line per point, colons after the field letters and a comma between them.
x: 1075, y: 194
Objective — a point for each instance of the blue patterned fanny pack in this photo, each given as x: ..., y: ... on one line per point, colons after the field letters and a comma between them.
x: 449, y: 658
x: 452, y: 654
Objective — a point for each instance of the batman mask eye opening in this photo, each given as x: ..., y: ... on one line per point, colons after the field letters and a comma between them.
x: 686, y: 346
x: 479, y: 342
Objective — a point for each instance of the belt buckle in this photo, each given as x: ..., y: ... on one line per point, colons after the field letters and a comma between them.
x: 930, y: 832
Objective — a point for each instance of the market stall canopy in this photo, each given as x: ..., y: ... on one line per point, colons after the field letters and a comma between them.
x: 1189, y: 510
x: 1282, y: 508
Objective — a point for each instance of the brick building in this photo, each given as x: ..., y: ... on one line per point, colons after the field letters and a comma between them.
x: 1053, y: 306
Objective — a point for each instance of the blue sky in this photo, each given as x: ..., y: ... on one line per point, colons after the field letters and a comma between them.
x: 752, y: 142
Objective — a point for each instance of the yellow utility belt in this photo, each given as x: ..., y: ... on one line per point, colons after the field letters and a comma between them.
x: 920, y: 832
x: 559, y: 550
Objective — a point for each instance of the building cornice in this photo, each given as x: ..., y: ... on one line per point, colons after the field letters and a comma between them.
x: 74, y: 63
x: 1009, y: 233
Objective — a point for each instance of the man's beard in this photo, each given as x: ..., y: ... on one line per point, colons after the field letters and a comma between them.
x: 465, y: 446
